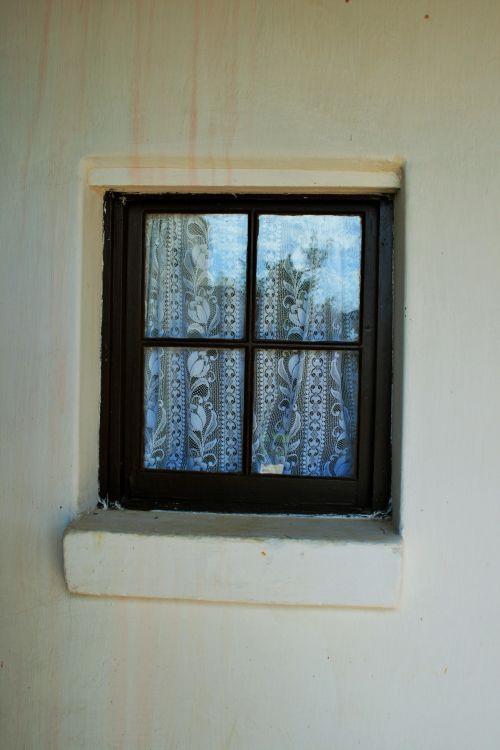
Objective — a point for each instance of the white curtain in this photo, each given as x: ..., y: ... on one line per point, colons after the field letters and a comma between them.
x: 305, y: 402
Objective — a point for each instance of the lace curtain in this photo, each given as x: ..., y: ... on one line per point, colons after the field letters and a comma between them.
x: 305, y: 402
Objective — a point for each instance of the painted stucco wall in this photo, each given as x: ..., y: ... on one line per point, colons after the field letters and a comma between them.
x: 269, y: 80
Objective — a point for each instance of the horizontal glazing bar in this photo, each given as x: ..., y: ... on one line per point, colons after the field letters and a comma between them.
x: 197, y: 343
x: 267, y: 344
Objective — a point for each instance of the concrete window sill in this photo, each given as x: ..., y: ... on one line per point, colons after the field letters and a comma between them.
x: 235, y: 558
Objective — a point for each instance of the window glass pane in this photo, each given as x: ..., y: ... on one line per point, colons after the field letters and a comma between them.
x: 308, y: 278
x: 195, y: 275
x: 193, y: 409
x: 305, y: 413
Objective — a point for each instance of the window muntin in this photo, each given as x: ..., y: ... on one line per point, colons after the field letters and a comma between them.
x: 311, y: 477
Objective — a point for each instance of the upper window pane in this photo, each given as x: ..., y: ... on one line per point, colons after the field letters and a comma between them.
x: 308, y: 278
x: 195, y: 275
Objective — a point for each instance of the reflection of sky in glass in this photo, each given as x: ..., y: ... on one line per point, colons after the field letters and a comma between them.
x: 339, y: 239
x: 195, y: 275
x: 227, y: 247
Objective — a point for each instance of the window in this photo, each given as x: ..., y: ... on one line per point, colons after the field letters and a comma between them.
x: 247, y: 353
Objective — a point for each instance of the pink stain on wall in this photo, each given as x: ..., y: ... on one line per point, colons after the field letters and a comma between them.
x: 144, y: 24
x: 40, y: 88
x: 193, y: 110
x: 136, y: 119
x: 84, y: 12
x: 222, y: 40
x: 232, y: 93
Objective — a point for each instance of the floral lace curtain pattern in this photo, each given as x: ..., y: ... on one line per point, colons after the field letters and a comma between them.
x: 195, y: 276
x: 305, y: 402
x: 307, y: 289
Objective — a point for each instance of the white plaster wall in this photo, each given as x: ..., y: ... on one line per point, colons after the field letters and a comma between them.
x: 273, y: 80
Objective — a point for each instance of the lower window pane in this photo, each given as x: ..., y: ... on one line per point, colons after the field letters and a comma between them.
x: 193, y: 409
x: 305, y: 413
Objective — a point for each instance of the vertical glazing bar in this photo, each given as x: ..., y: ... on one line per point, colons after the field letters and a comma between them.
x: 250, y: 330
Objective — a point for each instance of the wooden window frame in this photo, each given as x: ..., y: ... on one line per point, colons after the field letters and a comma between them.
x: 122, y: 478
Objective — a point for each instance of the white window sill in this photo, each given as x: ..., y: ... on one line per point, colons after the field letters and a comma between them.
x: 235, y: 558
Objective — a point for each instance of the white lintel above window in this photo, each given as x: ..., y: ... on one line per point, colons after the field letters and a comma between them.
x: 147, y: 174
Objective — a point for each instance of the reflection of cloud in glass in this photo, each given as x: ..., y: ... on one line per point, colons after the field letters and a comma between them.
x: 227, y: 247
x: 338, y: 240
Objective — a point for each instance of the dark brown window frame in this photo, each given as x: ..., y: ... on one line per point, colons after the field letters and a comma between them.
x: 122, y: 479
